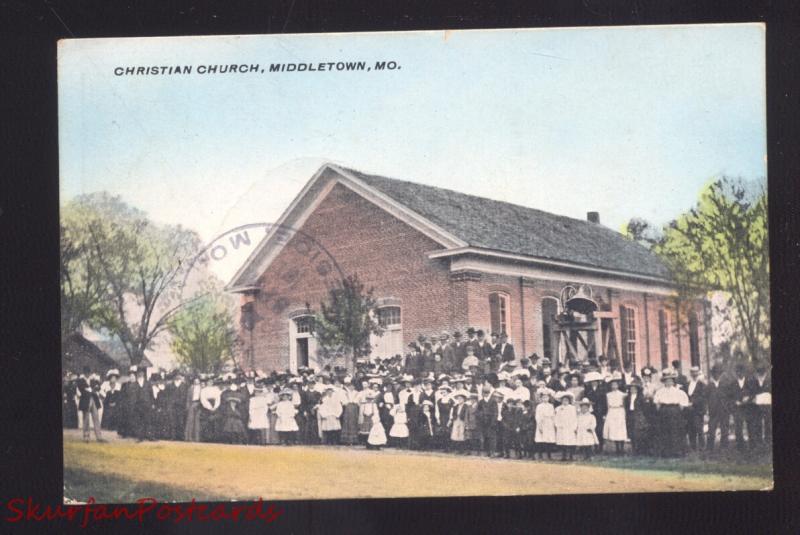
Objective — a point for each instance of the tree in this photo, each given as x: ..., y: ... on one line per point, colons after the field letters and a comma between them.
x: 135, y: 268
x: 722, y: 244
x: 203, y: 334
x: 345, y: 323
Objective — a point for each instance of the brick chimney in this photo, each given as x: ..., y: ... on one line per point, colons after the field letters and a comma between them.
x: 593, y: 217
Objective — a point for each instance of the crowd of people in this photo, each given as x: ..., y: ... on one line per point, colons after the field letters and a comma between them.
x: 470, y: 396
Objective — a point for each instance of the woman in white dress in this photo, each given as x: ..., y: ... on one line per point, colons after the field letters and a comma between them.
x: 545, y: 437
x: 286, y: 424
x: 566, y: 422
x: 615, y: 428
x: 258, y: 420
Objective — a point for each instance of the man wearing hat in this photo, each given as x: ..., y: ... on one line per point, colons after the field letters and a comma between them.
x: 413, y: 364
x: 89, y: 404
x: 595, y: 392
x: 490, y: 412
x: 505, y: 350
x: 142, y: 413
x: 696, y: 390
x: 761, y: 411
x: 447, y: 352
x: 459, y: 352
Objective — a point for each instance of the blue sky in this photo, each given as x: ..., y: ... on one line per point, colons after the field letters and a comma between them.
x: 625, y: 121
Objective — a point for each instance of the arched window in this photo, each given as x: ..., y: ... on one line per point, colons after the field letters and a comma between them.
x: 499, y: 307
x: 627, y: 321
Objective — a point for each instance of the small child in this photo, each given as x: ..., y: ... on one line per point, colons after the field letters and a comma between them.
x: 566, y: 422
x: 377, y: 434
x: 398, y: 434
x: 286, y: 424
x: 587, y: 434
x: 471, y: 431
x: 545, y: 437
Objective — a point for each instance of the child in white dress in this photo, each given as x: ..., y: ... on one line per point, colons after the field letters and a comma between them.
x: 286, y: 425
x: 566, y: 422
x: 586, y: 438
x: 545, y: 437
x: 399, y: 431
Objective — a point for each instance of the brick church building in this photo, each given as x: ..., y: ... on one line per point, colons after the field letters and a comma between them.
x: 440, y: 260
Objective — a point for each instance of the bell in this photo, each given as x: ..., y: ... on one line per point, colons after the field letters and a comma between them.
x: 582, y: 301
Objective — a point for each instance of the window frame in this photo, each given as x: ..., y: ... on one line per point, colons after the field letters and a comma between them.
x: 503, y: 310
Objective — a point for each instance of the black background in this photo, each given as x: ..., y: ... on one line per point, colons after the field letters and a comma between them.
x: 30, y: 421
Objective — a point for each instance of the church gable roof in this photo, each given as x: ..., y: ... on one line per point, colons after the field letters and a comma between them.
x: 510, y: 228
x: 459, y: 222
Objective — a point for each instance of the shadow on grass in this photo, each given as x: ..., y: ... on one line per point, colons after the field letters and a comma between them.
x: 82, y: 484
x: 727, y: 463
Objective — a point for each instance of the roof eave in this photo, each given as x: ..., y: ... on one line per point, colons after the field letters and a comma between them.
x: 557, y: 264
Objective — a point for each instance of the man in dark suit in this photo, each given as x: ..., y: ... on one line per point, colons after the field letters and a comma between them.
x: 718, y: 403
x: 696, y: 390
x: 759, y: 424
x: 681, y: 380
x: 448, y: 353
x: 89, y: 403
x: 742, y: 396
x: 505, y: 350
x: 596, y: 393
x: 489, y: 414
x: 459, y: 352
x: 175, y: 394
x: 143, y: 406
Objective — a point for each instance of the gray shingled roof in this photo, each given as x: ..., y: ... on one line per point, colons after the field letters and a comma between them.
x: 511, y: 228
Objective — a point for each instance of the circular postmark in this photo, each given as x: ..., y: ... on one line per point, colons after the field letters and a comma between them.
x: 233, y: 256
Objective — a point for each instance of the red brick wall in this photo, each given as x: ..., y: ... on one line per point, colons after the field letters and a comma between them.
x: 384, y: 252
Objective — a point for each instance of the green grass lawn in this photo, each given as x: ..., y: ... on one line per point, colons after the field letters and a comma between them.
x: 123, y: 471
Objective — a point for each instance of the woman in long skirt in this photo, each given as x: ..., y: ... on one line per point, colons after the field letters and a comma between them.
x: 350, y: 413
x: 670, y: 402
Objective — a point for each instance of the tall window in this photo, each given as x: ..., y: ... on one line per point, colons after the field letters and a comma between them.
x: 663, y: 335
x: 498, y: 312
x: 549, y: 335
x: 627, y: 317
x: 390, y: 343
x: 694, y: 339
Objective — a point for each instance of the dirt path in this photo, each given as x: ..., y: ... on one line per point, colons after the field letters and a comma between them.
x: 302, y: 472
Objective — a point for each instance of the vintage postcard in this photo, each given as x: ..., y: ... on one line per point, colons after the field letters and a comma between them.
x: 434, y: 263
